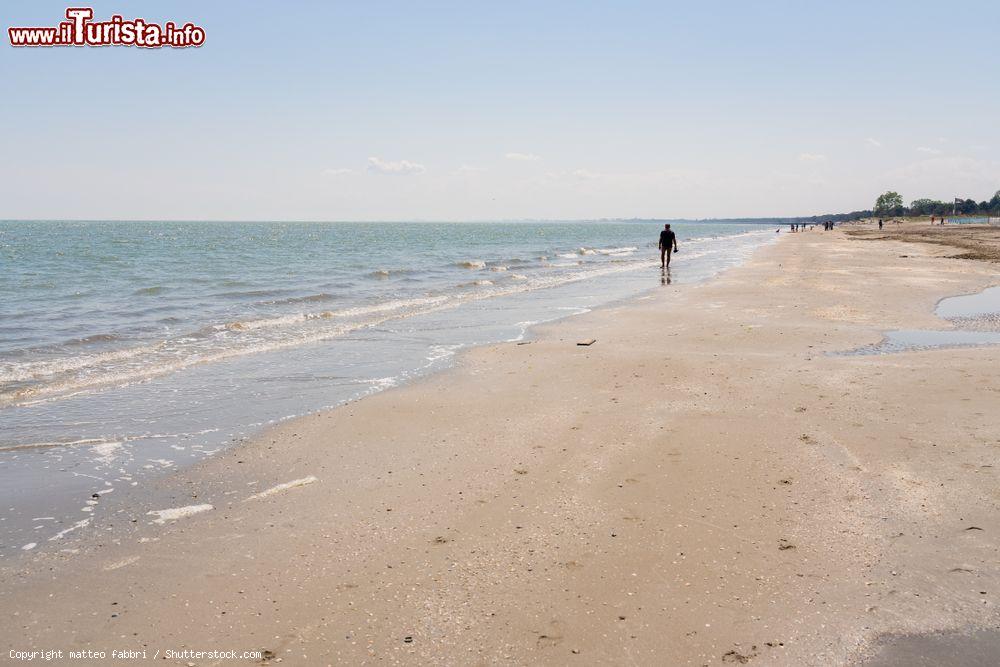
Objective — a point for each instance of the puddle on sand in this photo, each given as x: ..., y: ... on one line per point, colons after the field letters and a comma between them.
x: 912, y: 340
x: 981, y: 304
x: 973, y: 312
x: 976, y: 318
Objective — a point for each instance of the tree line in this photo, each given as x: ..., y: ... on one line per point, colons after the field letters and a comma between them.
x: 891, y: 203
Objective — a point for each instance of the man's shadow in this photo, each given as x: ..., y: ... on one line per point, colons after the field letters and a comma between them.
x: 665, y: 276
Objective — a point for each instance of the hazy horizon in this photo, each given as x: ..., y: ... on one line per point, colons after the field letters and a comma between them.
x: 755, y: 220
x: 393, y: 112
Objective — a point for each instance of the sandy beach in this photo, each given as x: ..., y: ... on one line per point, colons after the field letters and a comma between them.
x: 708, y: 483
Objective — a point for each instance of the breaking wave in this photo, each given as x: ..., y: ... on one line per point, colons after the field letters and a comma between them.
x: 104, y: 360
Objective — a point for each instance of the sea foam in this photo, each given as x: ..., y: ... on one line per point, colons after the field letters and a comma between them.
x: 175, y: 513
x: 283, y: 487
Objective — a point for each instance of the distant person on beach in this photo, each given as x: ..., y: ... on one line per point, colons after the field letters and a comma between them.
x: 880, y: 223
x: 668, y: 244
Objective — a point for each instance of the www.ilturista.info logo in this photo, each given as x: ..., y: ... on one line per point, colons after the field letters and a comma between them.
x: 80, y: 30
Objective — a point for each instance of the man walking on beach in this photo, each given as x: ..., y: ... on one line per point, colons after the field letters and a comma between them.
x: 668, y: 244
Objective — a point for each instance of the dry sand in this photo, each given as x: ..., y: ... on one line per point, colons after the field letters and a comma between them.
x: 704, y: 485
x: 975, y: 241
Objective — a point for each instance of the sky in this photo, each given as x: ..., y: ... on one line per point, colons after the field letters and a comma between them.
x: 503, y: 110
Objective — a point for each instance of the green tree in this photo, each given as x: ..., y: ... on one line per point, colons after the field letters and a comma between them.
x: 967, y: 206
x: 924, y: 206
x: 889, y: 203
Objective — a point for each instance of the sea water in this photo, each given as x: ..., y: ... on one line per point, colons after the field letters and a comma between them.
x: 128, y: 349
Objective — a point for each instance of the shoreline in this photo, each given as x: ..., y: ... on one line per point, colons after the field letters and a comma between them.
x: 537, y: 503
x: 146, y: 459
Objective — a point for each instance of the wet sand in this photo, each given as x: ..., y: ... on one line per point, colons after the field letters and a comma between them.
x: 970, y: 649
x: 703, y: 485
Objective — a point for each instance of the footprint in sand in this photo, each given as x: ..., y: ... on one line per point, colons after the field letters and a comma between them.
x: 735, y: 656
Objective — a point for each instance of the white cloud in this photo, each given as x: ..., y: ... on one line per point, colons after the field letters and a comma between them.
x: 337, y: 172
x: 469, y: 169
x: 525, y: 157
x: 929, y: 151
x: 873, y: 142
x: 811, y: 157
x: 397, y: 168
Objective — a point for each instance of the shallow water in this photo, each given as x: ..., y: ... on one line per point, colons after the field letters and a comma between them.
x: 976, y: 321
x: 130, y: 349
x: 983, y: 303
x: 913, y: 340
